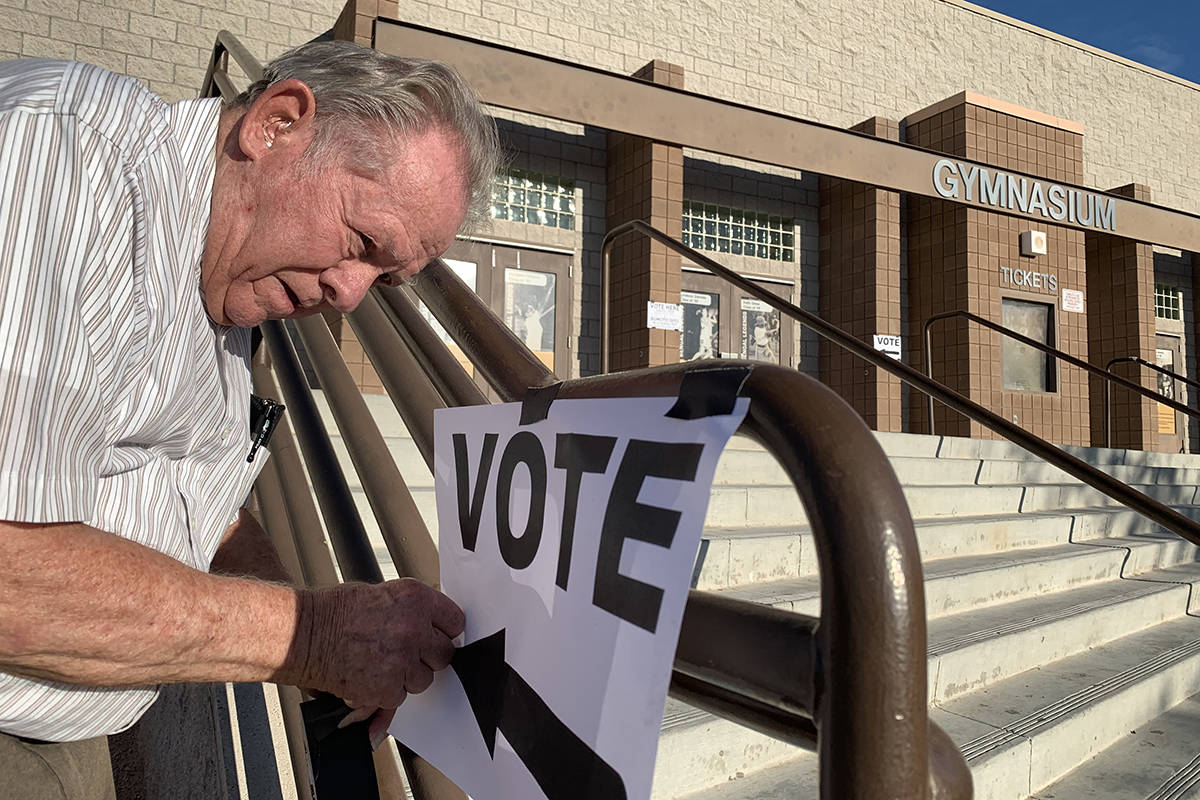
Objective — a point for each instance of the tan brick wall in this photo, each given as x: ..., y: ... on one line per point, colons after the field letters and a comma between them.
x: 837, y: 62
x: 165, y: 43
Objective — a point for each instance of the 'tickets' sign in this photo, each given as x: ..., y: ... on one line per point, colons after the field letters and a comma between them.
x: 569, y: 542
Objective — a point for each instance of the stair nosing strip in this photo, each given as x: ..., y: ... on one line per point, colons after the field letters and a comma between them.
x: 1185, y: 778
x: 1020, y: 728
x: 957, y: 642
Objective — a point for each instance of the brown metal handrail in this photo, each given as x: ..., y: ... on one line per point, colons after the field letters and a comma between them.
x: 216, y: 78
x: 1101, y: 481
x: 1092, y: 369
x: 1144, y: 363
x: 857, y: 672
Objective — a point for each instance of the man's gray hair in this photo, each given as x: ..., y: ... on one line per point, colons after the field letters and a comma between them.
x: 403, y: 96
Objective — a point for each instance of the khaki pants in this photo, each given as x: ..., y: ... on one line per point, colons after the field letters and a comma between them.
x: 55, y: 771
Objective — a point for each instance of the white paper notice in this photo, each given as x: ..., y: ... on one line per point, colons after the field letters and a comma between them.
x: 569, y: 543
x: 1072, y: 300
x: 664, y: 316
x: 888, y: 344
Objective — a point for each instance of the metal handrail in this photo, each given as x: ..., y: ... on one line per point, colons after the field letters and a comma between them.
x: 1144, y: 363
x: 858, y: 671
x: 216, y: 77
x: 1107, y: 376
x: 355, y: 557
x: 1164, y: 515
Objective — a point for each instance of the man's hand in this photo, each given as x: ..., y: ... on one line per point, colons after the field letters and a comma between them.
x: 372, y: 646
x: 105, y: 611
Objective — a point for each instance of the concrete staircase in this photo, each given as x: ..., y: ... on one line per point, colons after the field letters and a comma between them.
x: 1064, y: 652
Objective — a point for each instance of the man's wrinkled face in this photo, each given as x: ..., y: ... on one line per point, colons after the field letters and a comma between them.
x: 311, y: 236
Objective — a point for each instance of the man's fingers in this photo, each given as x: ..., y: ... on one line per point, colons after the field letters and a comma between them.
x: 420, y: 677
x: 378, y: 728
x: 438, y: 651
x: 447, y: 616
x: 357, y: 715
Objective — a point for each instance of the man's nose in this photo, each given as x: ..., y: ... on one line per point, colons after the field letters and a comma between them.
x: 347, y: 284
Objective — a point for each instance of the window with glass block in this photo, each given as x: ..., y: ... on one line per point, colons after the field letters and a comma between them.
x: 523, y: 196
x: 743, y: 233
x: 1168, y: 302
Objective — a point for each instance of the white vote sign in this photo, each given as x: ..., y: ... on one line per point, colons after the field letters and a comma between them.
x: 887, y: 344
x: 569, y: 543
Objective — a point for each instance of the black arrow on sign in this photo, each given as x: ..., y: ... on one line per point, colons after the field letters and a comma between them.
x: 561, y: 763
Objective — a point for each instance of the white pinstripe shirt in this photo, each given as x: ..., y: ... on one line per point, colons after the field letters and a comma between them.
x: 122, y: 404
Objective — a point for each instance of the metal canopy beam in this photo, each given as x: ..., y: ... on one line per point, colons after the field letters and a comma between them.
x: 508, y: 78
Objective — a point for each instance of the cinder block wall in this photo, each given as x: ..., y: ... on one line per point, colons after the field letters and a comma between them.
x: 164, y: 43
x: 838, y: 62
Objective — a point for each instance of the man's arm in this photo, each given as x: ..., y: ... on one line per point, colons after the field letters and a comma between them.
x: 247, y: 550
x: 79, y: 605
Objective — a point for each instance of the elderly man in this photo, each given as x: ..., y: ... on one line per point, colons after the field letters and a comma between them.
x: 139, y: 241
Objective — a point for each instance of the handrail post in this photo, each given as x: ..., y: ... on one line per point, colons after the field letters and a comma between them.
x: 1091, y: 369
x: 1168, y: 402
x: 929, y: 371
x: 1108, y: 439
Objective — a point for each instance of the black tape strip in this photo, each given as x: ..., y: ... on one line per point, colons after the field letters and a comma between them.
x: 536, y: 405
x: 341, y: 759
x: 709, y: 392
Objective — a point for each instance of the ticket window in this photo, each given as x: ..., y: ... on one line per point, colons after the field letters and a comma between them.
x: 722, y: 321
x: 1025, y: 368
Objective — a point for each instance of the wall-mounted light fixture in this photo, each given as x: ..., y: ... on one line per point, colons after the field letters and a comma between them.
x: 1033, y: 243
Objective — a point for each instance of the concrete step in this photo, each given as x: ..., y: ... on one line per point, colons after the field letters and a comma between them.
x: 1160, y: 760
x: 733, y: 505
x: 962, y: 585
x: 756, y: 467
x: 977, y: 649
x: 1049, y: 497
x: 1039, y: 472
x: 1028, y: 731
x: 735, y: 557
x: 698, y: 750
x: 771, y: 506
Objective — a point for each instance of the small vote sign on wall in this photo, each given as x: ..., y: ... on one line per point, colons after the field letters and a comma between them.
x: 569, y: 543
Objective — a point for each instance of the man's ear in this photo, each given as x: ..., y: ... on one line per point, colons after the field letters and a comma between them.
x: 280, y: 119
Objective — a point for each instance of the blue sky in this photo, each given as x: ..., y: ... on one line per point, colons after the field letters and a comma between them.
x: 1159, y: 33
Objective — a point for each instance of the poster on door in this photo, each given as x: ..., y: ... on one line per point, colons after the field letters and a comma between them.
x: 701, y: 325
x: 529, y: 309
x: 760, y: 331
x: 1165, y: 358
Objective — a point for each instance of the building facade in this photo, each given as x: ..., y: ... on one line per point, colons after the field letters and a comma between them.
x: 943, y: 75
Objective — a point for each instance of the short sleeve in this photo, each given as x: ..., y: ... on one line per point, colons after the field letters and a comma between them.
x: 61, y: 215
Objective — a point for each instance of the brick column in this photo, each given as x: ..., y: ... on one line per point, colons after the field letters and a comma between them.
x: 956, y: 261
x: 1121, y: 322
x: 645, y: 181
x: 356, y: 23
x: 860, y: 284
